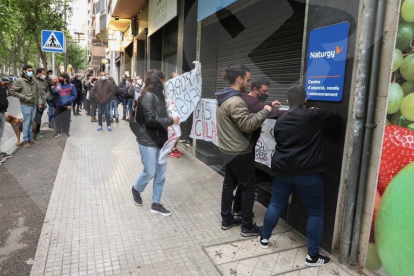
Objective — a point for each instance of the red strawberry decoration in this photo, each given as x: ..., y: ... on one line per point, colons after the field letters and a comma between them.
x: 397, y: 152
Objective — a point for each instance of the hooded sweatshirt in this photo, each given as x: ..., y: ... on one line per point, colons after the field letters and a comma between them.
x: 235, y: 123
x: 66, y: 94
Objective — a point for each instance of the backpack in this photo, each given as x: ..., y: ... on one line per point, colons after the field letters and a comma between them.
x: 134, y: 121
x: 4, y: 102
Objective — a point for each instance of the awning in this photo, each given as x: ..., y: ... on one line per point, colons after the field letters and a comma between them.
x: 127, y: 8
x: 119, y: 25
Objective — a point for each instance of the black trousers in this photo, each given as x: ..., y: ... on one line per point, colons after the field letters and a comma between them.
x: 94, y: 106
x: 38, y: 119
x: 62, y: 119
x: 239, y: 170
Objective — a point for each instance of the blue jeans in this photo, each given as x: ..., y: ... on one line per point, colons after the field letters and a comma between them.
x: 124, y: 105
x: 104, y: 108
x: 152, y: 170
x: 29, y: 113
x: 130, y: 102
x: 310, y: 189
x: 114, y: 106
x: 50, y: 110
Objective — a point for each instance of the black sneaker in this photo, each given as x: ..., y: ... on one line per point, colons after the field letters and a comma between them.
x: 157, y: 208
x: 67, y: 135
x: 57, y: 135
x: 137, y: 197
x: 318, y: 260
x: 228, y: 225
x: 264, y: 243
x: 5, y: 155
x: 252, y: 231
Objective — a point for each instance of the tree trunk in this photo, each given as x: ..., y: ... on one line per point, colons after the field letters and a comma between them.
x: 41, y: 53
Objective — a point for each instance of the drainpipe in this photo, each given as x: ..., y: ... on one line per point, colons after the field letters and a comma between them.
x: 369, y: 130
x: 367, y: 38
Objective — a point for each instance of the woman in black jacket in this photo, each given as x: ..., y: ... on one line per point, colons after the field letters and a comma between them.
x: 152, y: 116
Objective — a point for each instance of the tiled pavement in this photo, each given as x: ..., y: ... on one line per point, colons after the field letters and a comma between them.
x: 93, y: 227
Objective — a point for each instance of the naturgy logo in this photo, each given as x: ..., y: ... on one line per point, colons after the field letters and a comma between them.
x: 327, y: 54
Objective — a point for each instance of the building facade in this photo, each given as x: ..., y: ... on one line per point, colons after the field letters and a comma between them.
x: 279, y: 40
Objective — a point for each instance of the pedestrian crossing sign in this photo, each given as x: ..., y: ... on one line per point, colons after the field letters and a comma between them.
x: 53, y: 41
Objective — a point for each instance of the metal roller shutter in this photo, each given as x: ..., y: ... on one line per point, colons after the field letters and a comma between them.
x: 266, y: 36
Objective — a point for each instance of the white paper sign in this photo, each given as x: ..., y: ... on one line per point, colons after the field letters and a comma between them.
x: 266, y: 144
x: 185, y: 91
x: 204, y: 121
x: 160, y: 12
x: 205, y: 128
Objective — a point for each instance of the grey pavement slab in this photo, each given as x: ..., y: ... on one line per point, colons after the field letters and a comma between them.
x: 93, y: 227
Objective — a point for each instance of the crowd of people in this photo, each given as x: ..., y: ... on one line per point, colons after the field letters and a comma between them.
x: 297, y: 163
x: 63, y: 97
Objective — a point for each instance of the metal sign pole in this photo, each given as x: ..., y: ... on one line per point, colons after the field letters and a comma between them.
x: 66, y: 60
x: 53, y: 63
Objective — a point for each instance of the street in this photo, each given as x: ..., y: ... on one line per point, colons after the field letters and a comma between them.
x: 93, y: 227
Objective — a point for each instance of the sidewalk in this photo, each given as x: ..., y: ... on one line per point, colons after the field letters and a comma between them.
x: 93, y: 227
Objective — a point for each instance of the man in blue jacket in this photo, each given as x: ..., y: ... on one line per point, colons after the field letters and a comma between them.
x: 66, y: 94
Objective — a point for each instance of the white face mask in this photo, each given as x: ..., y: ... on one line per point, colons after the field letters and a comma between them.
x: 139, y: 82
x: 43, y: 77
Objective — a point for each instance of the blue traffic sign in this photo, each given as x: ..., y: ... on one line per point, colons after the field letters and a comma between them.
x: 327, y: 55
x: 53, y: 41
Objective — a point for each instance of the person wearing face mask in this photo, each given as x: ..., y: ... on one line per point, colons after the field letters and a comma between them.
x: 133, y: 91
x: 76, y: 104
x: 92, y: 98
x: 26, y: 90
x: 124, y: 86
x: 44, y: 90
x: 256, y: 100
x: 104, y: 90
x: 67, y: 94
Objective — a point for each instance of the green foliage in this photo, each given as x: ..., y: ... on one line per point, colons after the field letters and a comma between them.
x: 21, y: 24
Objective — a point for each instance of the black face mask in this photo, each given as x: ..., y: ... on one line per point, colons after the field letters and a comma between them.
x: 263, y: 97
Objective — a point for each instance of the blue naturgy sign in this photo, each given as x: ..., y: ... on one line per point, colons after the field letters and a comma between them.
x: 209, y: 7
x: 327, y: 55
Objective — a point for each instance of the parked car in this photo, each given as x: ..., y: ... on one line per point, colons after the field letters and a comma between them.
x: 14, y: 78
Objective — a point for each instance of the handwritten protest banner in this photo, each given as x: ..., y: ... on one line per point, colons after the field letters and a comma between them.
x: 204, y: 121
x: 185, y: 91
x: 205, y: 128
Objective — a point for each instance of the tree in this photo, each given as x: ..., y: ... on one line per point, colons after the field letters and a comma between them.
x: 22, y: 22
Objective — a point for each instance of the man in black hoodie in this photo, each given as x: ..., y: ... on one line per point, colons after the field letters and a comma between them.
x: 297, y: 165
x: 235, y: 127
x: 256, y: 101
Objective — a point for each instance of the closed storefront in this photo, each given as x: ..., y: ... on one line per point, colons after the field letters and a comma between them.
x: 266, y: 36
x: 271, y: 38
